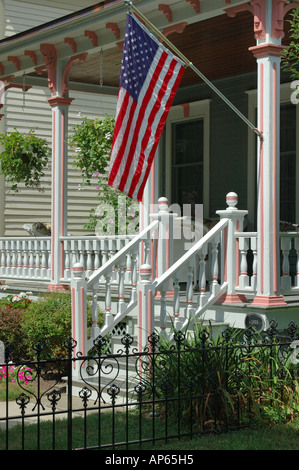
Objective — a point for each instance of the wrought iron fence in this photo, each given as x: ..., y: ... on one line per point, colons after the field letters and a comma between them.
x: 129, y: 399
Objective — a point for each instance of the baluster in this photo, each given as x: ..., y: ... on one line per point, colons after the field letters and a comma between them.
x: 121, y: 284
x: 8, y: 258
x: 108, y: 314
x: 128, y: 278
x: 134, y: 276
x: 286, y: 278
x: 44, y: 267
x: 163, y: 310
x: 49, y: 253
x: 25, y: 257
x: 37, y: 259
x: 202, y: 298
x: 96, y: 250
x: 67, y: 259
x: 215, y: 266
x: 176, y: 303
x: 253, y: 244
x: 31, y: 259
x: 81, y: 249
x: 3, y: 258
x: 19, y: 259
x: 243, y: 278
x: 189, y: 290
x: 74, y: 249
x: 95, y: 329
x: 112, y: 251
x: 13, y: 258
x: 89, y: 267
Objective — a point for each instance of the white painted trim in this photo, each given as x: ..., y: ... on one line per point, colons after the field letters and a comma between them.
x: 197, y: 109
x: 285, y: 97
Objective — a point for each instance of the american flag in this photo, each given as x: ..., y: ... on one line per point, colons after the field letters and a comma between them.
x: 150, y: 76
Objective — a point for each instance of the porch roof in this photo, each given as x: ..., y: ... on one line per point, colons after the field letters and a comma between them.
x: 221, y: 42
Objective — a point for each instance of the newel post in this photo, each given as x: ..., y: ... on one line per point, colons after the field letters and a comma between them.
x: 146, y: 292
x: 231, y: 255
x: 79, y: 311
x: 165, y: 237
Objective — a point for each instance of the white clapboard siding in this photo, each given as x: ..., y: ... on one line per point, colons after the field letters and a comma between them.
x: 30, y: 206
x: 20, y: 16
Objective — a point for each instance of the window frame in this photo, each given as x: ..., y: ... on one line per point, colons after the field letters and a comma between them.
x: 196, y: 110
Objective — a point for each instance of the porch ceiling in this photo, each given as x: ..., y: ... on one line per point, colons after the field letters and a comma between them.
x: 215, y: 43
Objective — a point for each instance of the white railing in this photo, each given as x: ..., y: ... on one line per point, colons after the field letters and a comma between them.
x: 289, y: 246
x: 140, y: 246
x: 208, y: 246
x: 91, y: 252
x: 26, y: 258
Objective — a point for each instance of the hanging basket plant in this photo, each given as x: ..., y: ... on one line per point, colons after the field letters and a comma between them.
x: 23, y: 159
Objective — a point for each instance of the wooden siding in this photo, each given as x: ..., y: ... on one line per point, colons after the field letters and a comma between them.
x: 31, y: 206
x: 20, y: 16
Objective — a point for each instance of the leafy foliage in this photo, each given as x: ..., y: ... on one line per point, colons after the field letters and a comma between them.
x: 92, y: 142
x: 290, y: 59
x: 24, y: 159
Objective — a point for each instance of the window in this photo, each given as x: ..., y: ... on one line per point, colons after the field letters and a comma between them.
x: 185, y: 163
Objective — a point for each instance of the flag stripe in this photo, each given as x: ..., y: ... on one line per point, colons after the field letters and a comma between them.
x: 142, y: 182
x: 148, y: 132
x: 149, y: 80
x: 140, y: 118
x: 144, y: 128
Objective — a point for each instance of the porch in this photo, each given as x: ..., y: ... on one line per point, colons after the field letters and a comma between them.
x: 140, y: 283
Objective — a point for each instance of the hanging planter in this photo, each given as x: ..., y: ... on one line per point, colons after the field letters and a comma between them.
x: 23, y: 159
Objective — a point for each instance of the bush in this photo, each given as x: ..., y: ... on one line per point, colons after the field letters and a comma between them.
x: 11, y: 330
x: 49, y: 320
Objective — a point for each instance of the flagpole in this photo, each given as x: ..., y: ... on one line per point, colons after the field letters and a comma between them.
x: 189, y: 64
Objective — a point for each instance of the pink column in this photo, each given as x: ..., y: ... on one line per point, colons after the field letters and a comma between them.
x: 59, y: 188
x: 58, y: 71
x: 268, y: 18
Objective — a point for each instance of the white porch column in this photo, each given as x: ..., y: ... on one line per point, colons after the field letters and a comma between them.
x: 59, y: 102
x: 268, y: 18
x: 59, y: 107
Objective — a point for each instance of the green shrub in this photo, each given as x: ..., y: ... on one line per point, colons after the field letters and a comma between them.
x: 49, y: 320
x: 11, y: 330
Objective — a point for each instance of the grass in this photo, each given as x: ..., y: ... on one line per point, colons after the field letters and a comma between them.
x: 262, y: 437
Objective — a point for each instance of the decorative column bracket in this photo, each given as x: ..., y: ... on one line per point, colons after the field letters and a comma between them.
x: 258, y: 10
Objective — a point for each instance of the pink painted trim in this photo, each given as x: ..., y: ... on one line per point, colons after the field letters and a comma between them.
x: 274, y: 207
x: 73, y: 321
x: 150, y: 326
x: 82, y: 319
x: 140, y: 320
x: 225, y: 254
x: 269, y: 300
x: 53, y: 186
x: 235, y: 299
x: 237, y: 255
x: 262, y: 176
x: 265, y: 50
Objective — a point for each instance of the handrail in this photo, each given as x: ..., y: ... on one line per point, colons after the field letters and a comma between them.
x: 121, y: 253
x: 190, y: 253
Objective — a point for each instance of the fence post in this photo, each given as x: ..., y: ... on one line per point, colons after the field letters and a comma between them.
x: 231, y: 248
x: 79, y: 314
x: 146, y: 292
